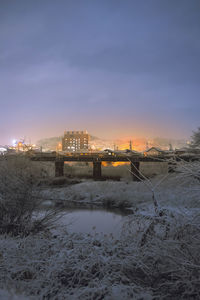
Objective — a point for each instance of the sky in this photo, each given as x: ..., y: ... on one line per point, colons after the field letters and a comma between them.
x: 115, y: 68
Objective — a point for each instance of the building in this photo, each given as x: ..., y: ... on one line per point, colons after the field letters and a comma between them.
x: 154, y: 151
x: 75, y: 140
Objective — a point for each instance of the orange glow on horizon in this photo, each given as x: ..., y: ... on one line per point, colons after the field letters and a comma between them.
x: 137, y: 144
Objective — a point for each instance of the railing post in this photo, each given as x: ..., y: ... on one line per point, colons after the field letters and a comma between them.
x: 97, y: 169
x: 135, y: 165
x: 59, y: 168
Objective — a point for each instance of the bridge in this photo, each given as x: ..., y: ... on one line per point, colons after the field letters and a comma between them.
x: 96, y: 159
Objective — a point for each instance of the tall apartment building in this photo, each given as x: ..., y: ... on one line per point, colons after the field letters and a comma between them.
x: 75, y: 141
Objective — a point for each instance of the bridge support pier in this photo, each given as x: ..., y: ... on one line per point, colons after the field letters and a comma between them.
x: 135, y: 166
x: 59, y: 168
x: 97, y: 169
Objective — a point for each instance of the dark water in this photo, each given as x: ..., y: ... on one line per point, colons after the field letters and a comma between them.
x: 93, y: 221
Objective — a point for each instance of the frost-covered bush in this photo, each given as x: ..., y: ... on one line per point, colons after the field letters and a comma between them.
x: 10, y: 295
x: 189, y: 169
x: 19, y: 201
x: 168, y: 252
x: 182, y: 188
x: 155, y: 258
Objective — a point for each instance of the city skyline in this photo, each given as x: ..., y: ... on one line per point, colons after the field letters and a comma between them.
x: 117, y: 68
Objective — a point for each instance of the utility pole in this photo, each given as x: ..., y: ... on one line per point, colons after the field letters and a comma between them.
x: 130, y: 145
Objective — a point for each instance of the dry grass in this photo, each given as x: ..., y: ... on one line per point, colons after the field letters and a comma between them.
x: 157, y: 256
x: 19, y: 201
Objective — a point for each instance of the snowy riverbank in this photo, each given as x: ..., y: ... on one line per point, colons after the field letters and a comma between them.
x: 175, y: 190
x: 150, y: 260
x: 156, y: 256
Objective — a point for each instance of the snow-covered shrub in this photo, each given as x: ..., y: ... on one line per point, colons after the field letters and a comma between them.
x: 19, y: 201
x: 156, y: 257
x: 168, y: 252
x: 148, y: 262
x: 9, y: 295
x: 189, y: 169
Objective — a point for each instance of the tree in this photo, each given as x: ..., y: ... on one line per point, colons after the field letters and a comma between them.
x: 195, y: 143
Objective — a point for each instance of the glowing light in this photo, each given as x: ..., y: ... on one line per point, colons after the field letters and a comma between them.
x: 14, y: 143
x: 114, y: 164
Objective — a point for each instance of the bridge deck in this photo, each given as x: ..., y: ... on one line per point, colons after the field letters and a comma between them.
x: 100, y: 158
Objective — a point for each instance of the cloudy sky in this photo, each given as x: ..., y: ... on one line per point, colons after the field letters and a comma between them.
x: 115, y: 68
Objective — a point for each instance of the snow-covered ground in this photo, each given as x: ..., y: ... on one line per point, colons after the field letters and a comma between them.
x: 156, y: 257
x: 175, y: 190
x: 147, y: 262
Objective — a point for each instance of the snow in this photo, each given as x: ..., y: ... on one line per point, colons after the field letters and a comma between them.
x: 58, y: 265
x: 156, y: 256
x: 74, y: 266
x: 176, y: 191
x: 10, y: 295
